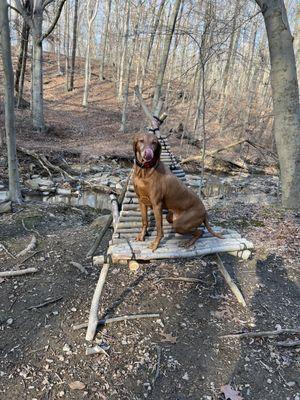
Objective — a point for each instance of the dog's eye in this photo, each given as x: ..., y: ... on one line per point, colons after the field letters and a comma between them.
x: 141, y: 140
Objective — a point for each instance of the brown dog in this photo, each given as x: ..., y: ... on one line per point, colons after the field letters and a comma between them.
x: 157, y: 188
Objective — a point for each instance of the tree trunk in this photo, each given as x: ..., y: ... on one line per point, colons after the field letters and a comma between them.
x: 285, y: 98
x: 151, y: 41
x: 124, y: 52
x: 165, y: 54
x: 75, y: 23
x: 101, y: 75
x: 37, y: 75
x: 21, y: 68
x: 90, y: 19
x: 297, y: 40
x: 14, y: 189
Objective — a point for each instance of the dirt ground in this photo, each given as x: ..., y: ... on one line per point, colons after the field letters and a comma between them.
x: 179, y: 355
x: 41, y: 355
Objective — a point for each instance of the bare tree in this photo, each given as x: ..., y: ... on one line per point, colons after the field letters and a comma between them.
x: 14, y: 188
x: 91, y: 15
x: 34, y: 20
x: 285, y: 98
x: 105, y: 34
x: 165, y: 54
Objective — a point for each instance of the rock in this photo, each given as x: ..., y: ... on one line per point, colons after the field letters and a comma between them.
x: 291, y: 384
x: 76, y: 385
x: 186, y: 377
x: 98, y: 261
x: 5, y: 207
x: 64, y: 192
x: 36, y: 183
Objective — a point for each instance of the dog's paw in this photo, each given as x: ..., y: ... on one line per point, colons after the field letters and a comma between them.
x: 140, y: 238
x: 154, y: 245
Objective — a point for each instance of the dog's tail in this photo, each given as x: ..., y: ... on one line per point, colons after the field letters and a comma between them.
x: 209, y: 228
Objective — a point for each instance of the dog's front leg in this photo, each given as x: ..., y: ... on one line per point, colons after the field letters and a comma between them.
x: 157, y: 210
x: 141, y: 236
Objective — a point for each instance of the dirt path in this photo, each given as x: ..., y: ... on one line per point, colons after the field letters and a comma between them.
x: 41, y: 354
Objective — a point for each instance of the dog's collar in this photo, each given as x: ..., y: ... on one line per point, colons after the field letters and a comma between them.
x: 149, y: 164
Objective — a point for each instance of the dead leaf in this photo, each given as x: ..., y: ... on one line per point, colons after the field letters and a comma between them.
x: 168, y: 337
x: 2, y: 280
x: 76, y: 385
x: 230, y: 393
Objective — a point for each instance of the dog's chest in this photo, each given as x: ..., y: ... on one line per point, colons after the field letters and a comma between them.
x: 142, y: 189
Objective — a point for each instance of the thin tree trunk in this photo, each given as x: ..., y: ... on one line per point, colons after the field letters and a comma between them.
x: 37, y: 75
x: 285, y: 98
x: 74, y: 43
x: 124, y: 52
x: 67, y: 43
x: 101, y: 74
x: 21, y: 68
x: 14, y: 189
x: 165, y: 54
x: 87, y: 56
x: 151, y: 41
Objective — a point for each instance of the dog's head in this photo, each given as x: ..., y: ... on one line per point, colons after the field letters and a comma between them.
x: 146, y: 147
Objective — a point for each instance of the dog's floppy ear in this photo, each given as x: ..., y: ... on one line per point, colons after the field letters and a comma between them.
x: 157, y: 151
x: 135, y: 140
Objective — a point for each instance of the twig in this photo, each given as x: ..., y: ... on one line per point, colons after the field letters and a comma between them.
x: 27, y: 258
x: 116, y: 319
x: 294, y: 331
x: 30, y: 230
x: 157, y: 371
x: 50, y: 301
x: 235, y: 290
x: 79, y: 267
x: 289, y: 343
x: 6, y: 274
x: 180, y: 278
x: 31, y: 246
x: 2, y: 247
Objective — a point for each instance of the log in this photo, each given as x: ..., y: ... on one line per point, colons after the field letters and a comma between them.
x: 115, y: 210
x: 93, y: 317
x: 8, y: 274
x: 233, y: 287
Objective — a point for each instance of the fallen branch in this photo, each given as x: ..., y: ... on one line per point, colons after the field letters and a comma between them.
x: 30, y: 230
x: 242, y: 335
x: 233, y: 287
x: 240, y: 142
x: 7, y: 274
x: 2, y: 247
x: 157, y: 371
x: 50, y: 301
x: 46, y: 164
x: 27, y: 258
x: 180, y: 278
x: 116, y: 319
x: 32, y: 245
x: 79, y: 267
x: 93, y: 317
x: 289, y: 343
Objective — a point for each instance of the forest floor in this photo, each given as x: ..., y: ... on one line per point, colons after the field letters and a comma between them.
x: 180, y: 355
